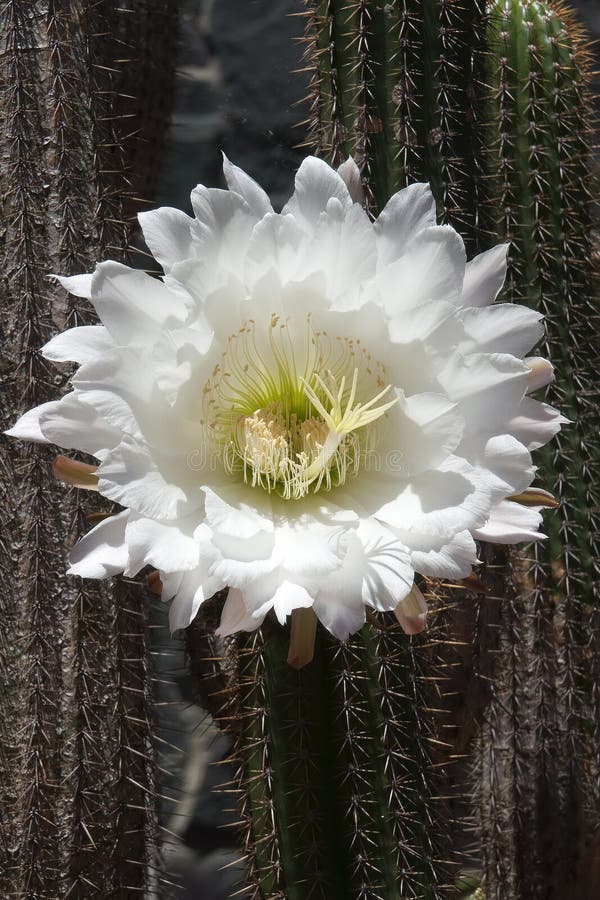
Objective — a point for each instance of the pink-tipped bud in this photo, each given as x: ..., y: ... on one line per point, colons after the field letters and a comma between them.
x: 541, y: 372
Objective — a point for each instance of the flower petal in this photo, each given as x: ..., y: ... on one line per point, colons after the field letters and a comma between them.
x: 437, y: 557
x: 287, y: 598
x: 161, y: 489
x: 274, y: 244
x: 502, y: 328
x: 192, y: 590
x: 510, y: 523
x: 78, y: 285
x: 443, y: 501
x: 404, y: 215
x: 241, y: 183
x: 235, y: 616
x: 102, y: 552
x: 78, y: 344
x: 167, y: 547
x: 350, y: 175
x: 431, y: 268
x: 133, y: 306
x: 535, y: 423
x: 343, y: 248
x: 422, y: 431
x: 487, y: 386
x: 27, y: 427
x: 485, y: 276
x: 75, y: 425
x: 167, y: 233
x: 316, y: 183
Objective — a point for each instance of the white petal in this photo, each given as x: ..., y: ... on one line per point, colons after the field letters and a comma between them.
x: 102, y: 552
x: 510, y: 462
x: 75, y: 425
x: 192, y: 590
x: 541, y: 373
x: 238, y: 181
x: 229, y: 510
x: 340, y: 612
x: 489, y: 387
x: 423, y: 430
x: 109, y: 405
x: 184, y: 607
x: 535, y: 423
x: 510, y: 523
x: 376, y: 571
x: 235, y: 616
x: 404, y: 215
x: 350, y: 175
x: 422, y: 322
x: 78, y: 285
x: 344, y: 249
x: 249, y: 566
x: 167, y: 233
x: 502, y: 328
x: 485, y: 276
x: 78, y: 344
x: 133, y: 306
x: 287, y: 598
x: 221, y: 231
x: 455, y: 497
x: 129, y: 474
x: 27, y: 427
x: 431, y: 268
x: 308, y: 551
x: 316, y: 183
x: 442, y: 558
x: 167, y: 547
x: 276, y: 243
x: 387, y: 575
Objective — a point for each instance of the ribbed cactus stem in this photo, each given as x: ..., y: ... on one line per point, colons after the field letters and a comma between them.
x: 375, y: 97
x: 487, y: 102
x: 336, y: 768
x: 538, y: 165
x: 76, y: 774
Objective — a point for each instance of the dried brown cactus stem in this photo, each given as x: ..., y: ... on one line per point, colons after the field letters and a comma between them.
x: 66, y: 152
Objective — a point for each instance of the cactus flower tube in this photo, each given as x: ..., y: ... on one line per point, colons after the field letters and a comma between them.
x: 308, y: 408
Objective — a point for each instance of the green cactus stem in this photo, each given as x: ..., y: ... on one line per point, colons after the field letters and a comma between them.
x: 336, y: 763
x: 543, y: 785
x: 488, y: 102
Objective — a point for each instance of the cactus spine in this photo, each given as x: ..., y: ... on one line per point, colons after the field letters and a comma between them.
x: 335, y: 764
x: 539, y: 160
x: 488, y: 103
x: 76, y: 783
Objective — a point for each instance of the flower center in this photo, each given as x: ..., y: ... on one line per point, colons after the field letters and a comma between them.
x: 294, y: 412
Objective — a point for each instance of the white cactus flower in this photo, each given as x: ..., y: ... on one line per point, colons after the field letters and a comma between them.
x: 308, y: 408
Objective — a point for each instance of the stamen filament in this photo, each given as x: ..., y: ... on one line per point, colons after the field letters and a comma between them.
x: 278, y: 423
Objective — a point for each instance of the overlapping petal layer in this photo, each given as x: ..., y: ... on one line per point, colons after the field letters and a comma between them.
x: 307, y: 408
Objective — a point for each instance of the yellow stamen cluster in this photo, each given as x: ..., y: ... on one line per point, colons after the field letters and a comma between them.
x: 282, y: 424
